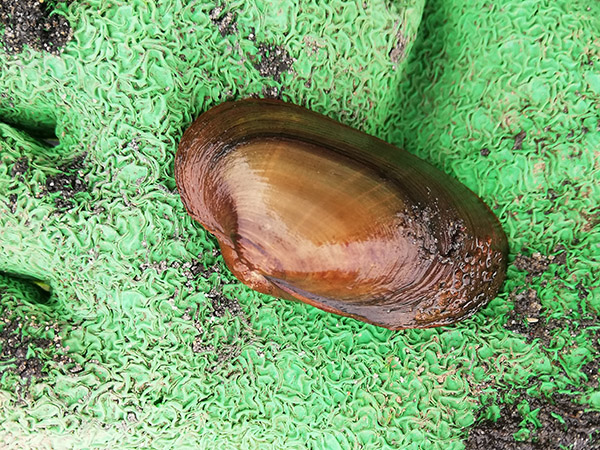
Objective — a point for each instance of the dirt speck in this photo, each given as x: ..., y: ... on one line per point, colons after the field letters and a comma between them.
x: 33, y: 23
x: 20, y: 167
x: 12, y: 202
x: 537, y: 264
x: 576, y: 429
x: 218, y: 340
x: 592, y: 220
x: 519, y: 138
x: 15, y: 349
x: 67, y: 183
x: 528, y: 316
x: 398, y: 52
x: 224, y: 20
x: 229, y: 345
x: 271, y: 92
x: 272, y: 61
x: 561, y: 421
x: 222, y: 305
x: 526, y: 312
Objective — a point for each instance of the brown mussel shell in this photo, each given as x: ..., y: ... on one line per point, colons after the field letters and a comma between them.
x: 308, y: 209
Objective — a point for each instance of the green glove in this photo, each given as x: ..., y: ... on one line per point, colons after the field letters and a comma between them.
x: 121, y: 328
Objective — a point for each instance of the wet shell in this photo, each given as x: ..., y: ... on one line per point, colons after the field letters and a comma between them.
x: 308, y: 209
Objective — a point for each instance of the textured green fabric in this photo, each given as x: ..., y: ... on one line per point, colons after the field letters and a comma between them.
x: 137, y: 336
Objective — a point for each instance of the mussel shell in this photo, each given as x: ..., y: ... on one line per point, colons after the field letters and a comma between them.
x: 306, y: 208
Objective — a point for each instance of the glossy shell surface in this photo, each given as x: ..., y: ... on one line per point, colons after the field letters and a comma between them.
x: 308, y: 209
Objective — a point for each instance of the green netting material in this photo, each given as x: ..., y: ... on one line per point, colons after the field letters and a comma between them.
x: 146, y: 340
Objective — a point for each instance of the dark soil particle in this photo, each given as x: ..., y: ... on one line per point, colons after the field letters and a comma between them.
x: 519, y: 138
x: 32, y: 23
x: 224, y: 20
x: 484, y: 151
x: 526, y: 313
x: 592, y: 220
x: 580, y: 430
x: 12, y: 202
x: 271, y: 92
x: 196, y: 269
x: 252, y: 34
x: 537, y: 264
x: 227, y: 348
x: 272, y: 61
x: 67, y: 183
x: 582, y: 291
x: 398, y: 53
x: 221, y: 305
x: 29, y: 339
x: 15, y: 347
x: 527, y: 317
x: 561, y: 422
x: 217, y: 341
x: 20, y: 167
x: 591, y: 371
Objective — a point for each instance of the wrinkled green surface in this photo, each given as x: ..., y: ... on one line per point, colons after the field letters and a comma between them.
x: 280, y: 374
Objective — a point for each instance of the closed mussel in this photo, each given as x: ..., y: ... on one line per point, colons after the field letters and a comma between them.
x: 308, y: 209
